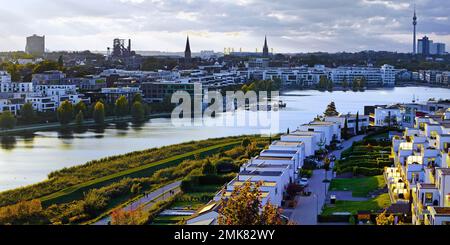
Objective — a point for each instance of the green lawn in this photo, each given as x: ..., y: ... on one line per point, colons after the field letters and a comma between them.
x: 380, y: 202
x: 360, y: 187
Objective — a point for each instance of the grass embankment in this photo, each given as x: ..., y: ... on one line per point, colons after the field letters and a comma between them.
x: 373, y: 205
x: 360, y: 187
x: 70, y: 183
x: 77, y: 191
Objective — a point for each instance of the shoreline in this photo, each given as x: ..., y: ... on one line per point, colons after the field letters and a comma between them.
x: 33, y: 128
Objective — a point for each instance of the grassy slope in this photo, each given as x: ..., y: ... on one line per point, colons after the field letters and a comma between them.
x: 360, y: 187
x: 76, y: 191
x: 353, y: 207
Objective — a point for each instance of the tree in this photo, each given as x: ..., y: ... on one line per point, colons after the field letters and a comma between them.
x: 94, y: 202
x: 138, y: 112
x: 136, y: 188
x: 80, y: 106
x: 383, y: 219
x: 246, y: 142
x: 7, y: 120
x: 326, y: 166
x: 27, y: 113
x: 329, y: 85
x: 345, y: 129
x: 355, y: 84
x: 99, y: 113
x: 288, y: 131
x: 138, y: 98
x: 345, y: 84
x: 65, y: 112
x: 130, y: 217
x: 46, y: 65
x: 60, y: 62
x: 24, y: 212
x: 208, y: 168
x: 357, y: 123
x: 331, y: 110
x: 121, y: 106
x: 243, y: 207
x: 79, y: 118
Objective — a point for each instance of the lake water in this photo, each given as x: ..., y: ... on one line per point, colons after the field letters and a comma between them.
x: 29, y: 159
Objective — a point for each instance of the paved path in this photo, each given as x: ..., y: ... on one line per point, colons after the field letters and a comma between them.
x: 308, y: 206
x: 149, y: 200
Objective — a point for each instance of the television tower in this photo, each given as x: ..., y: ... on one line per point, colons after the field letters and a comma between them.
x: 414, y: 34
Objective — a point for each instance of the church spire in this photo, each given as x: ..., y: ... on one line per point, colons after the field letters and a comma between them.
x: 187, y: 51
x: 265, y: 48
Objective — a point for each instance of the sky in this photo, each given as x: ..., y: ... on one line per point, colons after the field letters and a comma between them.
x: 162, y: 25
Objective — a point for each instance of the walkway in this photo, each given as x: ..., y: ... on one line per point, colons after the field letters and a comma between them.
x: 148, y: 200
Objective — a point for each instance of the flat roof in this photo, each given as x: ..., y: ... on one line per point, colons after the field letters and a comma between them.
x: 264, y: 183
x: 265, y: 165
x: 264, y: 194
x: 273, y: 158
x: 261, y: 173
x: 287, y: 143
x: 280, y: 151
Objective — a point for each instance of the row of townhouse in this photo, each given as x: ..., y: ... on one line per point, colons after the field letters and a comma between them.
x: 432, y: 77
x: 310, y: 76
x: 402, y: 115
x: 421, y: 175
x: 43, y: 96
x: 275, y: 168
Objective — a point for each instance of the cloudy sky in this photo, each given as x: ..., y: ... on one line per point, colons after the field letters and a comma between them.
x: 291, y: 25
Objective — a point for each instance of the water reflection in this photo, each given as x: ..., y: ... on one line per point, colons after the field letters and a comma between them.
x: 8, y: 142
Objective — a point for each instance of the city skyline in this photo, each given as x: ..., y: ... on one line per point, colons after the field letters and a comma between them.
x: 291, y: 26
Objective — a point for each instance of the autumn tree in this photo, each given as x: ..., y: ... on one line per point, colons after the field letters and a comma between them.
x: 80, y: 106
x: 331, y: 110
x: 383, y: 219
x: 65, y: 112
x: 99, y: 113
x: 128, y: 217
x: 244, y: 207
x: 121, y: 106
x: 25, y: 212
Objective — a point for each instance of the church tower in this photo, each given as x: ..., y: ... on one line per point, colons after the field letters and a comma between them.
x: 187, y: 51
x: 265, y: 48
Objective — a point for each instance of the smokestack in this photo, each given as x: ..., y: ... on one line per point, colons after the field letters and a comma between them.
x: 129, y: 45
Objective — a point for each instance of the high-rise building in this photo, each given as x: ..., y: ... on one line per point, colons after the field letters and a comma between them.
x: 265, y: 48
x: 187, y: 51
x: 35, y: 45
x: 424, y: 46
x: 428, y: 47
x: 414, y: 32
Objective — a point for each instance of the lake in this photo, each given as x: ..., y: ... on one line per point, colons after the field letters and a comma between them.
x: 29, y: 159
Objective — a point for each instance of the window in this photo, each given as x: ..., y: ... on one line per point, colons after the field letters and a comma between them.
x: 428, y: 198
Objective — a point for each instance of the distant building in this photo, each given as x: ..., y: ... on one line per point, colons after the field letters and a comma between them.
x: 428, y: 47
x: 35, y: 45
x: 187, y: 51
x: 265, y: 48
